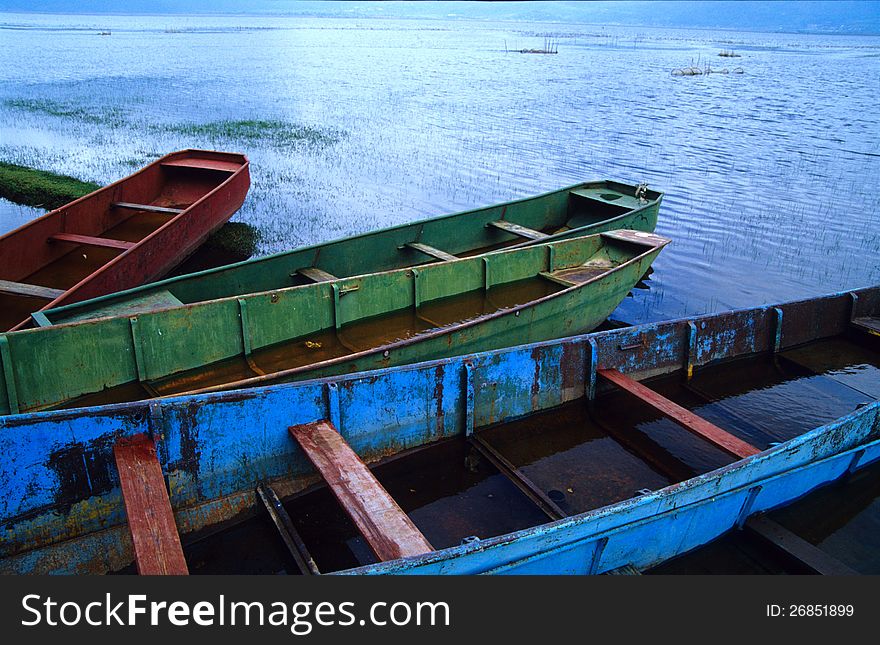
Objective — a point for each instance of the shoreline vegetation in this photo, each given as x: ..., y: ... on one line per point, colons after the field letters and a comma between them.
x: 39, y: 188
x: 233, y: 242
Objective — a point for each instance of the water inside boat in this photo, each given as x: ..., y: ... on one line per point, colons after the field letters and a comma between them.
x: 582, y: 457
x: 327, y: 344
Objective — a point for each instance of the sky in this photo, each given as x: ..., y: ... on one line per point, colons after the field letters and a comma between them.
x: 845, y: 17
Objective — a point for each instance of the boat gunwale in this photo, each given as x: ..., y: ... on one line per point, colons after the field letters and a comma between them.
x: 161, y: 284
x: 106, y: 267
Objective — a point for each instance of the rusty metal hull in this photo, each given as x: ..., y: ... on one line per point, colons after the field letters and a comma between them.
x: 333, y: 327
x: 130, y: 232
x: 62, y: 512
x: 583, y: 209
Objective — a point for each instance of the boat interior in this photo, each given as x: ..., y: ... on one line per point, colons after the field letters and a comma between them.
x: 586, y: 455
x: 266, y: 334
x: 595, y: 207
x: 52, y: 254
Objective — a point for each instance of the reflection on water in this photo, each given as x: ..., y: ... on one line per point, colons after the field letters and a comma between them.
x: 770, y: 176
x: 14, y: 215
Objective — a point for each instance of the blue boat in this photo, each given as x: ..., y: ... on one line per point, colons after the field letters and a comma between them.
x: 68, y: 502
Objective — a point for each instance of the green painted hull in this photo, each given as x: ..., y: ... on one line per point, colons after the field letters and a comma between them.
x: 583, y: 209
x: 372, y: 321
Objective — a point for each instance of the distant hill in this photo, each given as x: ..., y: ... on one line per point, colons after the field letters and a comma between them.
x: 838, y: 17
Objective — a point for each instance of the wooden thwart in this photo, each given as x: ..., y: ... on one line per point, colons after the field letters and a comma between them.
x: 386, y: 528
x: 316, y: 275
x: 150, y: 519
x: 148, y: 207
x: 690, y: 421
x: 91, y: 241
x: 203, y: 164
x: 430, y: 250
x: 30, y: 290
x: 516, y: 229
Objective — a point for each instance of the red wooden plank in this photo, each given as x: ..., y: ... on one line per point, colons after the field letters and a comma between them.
x: 387, y: 529
x: 150, y: 519
x: 690, y: 421
x: 91, y: 241
x: 148, y: 208
x: 204, y: 164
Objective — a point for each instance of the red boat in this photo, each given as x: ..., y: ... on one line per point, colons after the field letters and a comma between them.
x: 126, y: 234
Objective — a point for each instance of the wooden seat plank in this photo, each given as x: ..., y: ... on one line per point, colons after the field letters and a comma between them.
x: 150, y: 519
x: 88, y: 240
x: 204, y: 164
x: 516, y: 229
x: 386, y: 528
x: 684, y: 417
x: 29, y: 290
x: 316, y: 275
x: 148, y: 207
x: 431, y: 251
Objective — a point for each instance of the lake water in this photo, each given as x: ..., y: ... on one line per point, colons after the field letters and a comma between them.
x: 772, y: 176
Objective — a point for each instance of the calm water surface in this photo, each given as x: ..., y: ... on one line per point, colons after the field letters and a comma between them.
x: 772, y: 177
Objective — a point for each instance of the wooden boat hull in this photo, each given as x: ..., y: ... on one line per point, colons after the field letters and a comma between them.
x: 583, y: 209
x: 368, y: 322
x: 61, y: 506
x: 102, y: 242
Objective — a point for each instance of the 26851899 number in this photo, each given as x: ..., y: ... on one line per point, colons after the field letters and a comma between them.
x: 821, y: 610
x: 810, y: 610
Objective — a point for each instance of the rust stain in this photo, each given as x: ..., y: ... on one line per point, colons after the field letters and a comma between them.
x: 190, y: 455
x: 438, y: 400
x: 571, y: 366
x: 536, y: 379
x: 83, y: 470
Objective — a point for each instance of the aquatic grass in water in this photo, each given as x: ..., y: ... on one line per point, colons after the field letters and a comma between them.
x: 237, y: 239
x: 111, y: 117
x: 33, y: 187
x: 273, y: 132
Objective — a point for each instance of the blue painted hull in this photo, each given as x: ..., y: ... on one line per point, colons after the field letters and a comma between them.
x: 60, y: 502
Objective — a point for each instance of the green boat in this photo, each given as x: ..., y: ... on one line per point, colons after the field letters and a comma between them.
x: 583, y: 209
x: 328, y: 328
